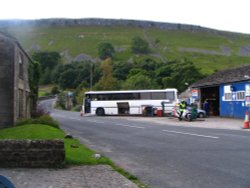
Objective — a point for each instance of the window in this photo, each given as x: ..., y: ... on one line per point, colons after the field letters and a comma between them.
x: 145, y: 96
x: 235, y: 96
x: 228, y: 96
x: 241, y: 95
x: 21, y: 99
x: 170, y: 96
x: 158, y: 95
x: 21, y: 64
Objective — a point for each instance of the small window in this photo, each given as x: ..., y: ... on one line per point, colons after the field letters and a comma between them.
x: 21, y: 64
x: 228, y: 96
x: 241, y: 95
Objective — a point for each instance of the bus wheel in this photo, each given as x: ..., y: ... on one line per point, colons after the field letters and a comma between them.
x: 100, y: 112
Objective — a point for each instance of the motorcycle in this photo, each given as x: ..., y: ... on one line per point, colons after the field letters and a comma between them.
x: 189, y: 114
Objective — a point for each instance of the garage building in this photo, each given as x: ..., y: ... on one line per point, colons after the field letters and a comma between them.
x: 227, y: 92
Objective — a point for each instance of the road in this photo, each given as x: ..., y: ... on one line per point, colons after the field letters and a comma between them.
x: 165, y: 156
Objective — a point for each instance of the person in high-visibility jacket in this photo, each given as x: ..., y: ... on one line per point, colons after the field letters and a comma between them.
x: 182, y: 107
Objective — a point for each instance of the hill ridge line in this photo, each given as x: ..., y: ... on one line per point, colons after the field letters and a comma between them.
x: 115, y: 22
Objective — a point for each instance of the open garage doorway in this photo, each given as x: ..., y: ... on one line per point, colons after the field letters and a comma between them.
x: 212, y: 95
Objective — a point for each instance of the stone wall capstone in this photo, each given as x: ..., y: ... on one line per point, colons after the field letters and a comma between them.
x: 32, y: 153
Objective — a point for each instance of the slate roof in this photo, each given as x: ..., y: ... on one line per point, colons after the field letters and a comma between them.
x: 227, y: 76
x: 13, y: 40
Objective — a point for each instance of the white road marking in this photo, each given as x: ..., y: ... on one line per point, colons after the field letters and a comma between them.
x: 93, y: 121
x: 232, y: 135
x: 191, y: 134
x: 78, y: 119
x: 132, y: 126
x: 119, y: 124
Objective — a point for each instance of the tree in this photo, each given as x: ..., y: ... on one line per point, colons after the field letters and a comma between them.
x: 47, y: 60
x: 136, y: 71
x: 105, y: 50
x: 183, y: 74
x: 139, y: 45
x: 46, y: 76
x: 107, y: 81
x: 34, y: 77
x: 149, y: 65
x: 67, y: 79
x: 139, y: 81
x: 76, y: 74
x: 121, y: 70
x: 56, y: 72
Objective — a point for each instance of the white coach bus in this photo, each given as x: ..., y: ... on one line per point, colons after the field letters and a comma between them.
x: 130, y: 102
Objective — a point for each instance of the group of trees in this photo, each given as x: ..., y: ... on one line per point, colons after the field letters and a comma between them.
x: 145, y: 72
x: 48, y: 61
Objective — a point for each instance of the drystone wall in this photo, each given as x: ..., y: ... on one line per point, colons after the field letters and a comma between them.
x: 32, y: 153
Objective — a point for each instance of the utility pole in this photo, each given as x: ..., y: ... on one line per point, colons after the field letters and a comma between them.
x: 91, y: 75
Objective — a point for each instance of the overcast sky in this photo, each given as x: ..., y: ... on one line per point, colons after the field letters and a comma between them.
x: 229, y: 15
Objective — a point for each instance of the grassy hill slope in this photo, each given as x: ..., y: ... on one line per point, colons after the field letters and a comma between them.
x: 210, y: 50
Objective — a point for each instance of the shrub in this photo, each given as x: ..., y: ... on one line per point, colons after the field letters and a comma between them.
x: 40, y: 111
x: 77, y: 108
x: 55, y: 90
x: 44, y: 119
x: 61, y: 101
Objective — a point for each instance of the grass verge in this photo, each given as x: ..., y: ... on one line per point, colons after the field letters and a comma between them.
x: 76, y: 153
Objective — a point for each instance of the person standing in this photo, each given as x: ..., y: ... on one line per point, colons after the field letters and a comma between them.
x: 206, y: 107
x: 182, y: 107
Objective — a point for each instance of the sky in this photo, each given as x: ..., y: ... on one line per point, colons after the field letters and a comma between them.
x: 227, y: 15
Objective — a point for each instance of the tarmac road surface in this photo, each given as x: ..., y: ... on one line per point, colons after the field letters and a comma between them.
x: 166, y: 153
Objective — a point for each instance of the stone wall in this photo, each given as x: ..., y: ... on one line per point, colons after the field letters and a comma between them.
x: 32, y: 153
x: 6, y: 81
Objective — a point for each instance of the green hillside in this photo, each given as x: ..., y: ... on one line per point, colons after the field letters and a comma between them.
x: 207, y: 49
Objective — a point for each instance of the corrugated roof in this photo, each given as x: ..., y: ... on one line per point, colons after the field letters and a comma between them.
x: 238, y: 74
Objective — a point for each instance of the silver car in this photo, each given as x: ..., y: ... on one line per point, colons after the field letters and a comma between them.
x: 201, y: 113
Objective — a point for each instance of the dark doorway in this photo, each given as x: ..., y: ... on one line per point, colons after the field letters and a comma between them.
x: 87, y: 105
x: 123, y: 108
x: 211, y: 94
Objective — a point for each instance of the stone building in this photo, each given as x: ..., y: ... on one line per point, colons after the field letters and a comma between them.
x: 14, y: 87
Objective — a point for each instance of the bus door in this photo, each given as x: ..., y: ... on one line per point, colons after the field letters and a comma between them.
x: 123, y: 108
x: 87, y: 105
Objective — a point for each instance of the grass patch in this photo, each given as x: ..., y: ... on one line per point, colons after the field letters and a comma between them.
x: 80, y: 154
x: 32, y: 131
x: 45, y: 90
x: 44, y: 119
x: 76, y: 153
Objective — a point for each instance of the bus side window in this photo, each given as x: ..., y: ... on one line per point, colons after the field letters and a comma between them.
x: 170, y: 96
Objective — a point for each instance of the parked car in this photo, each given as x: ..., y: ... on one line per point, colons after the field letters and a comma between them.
x: 201, y: 113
